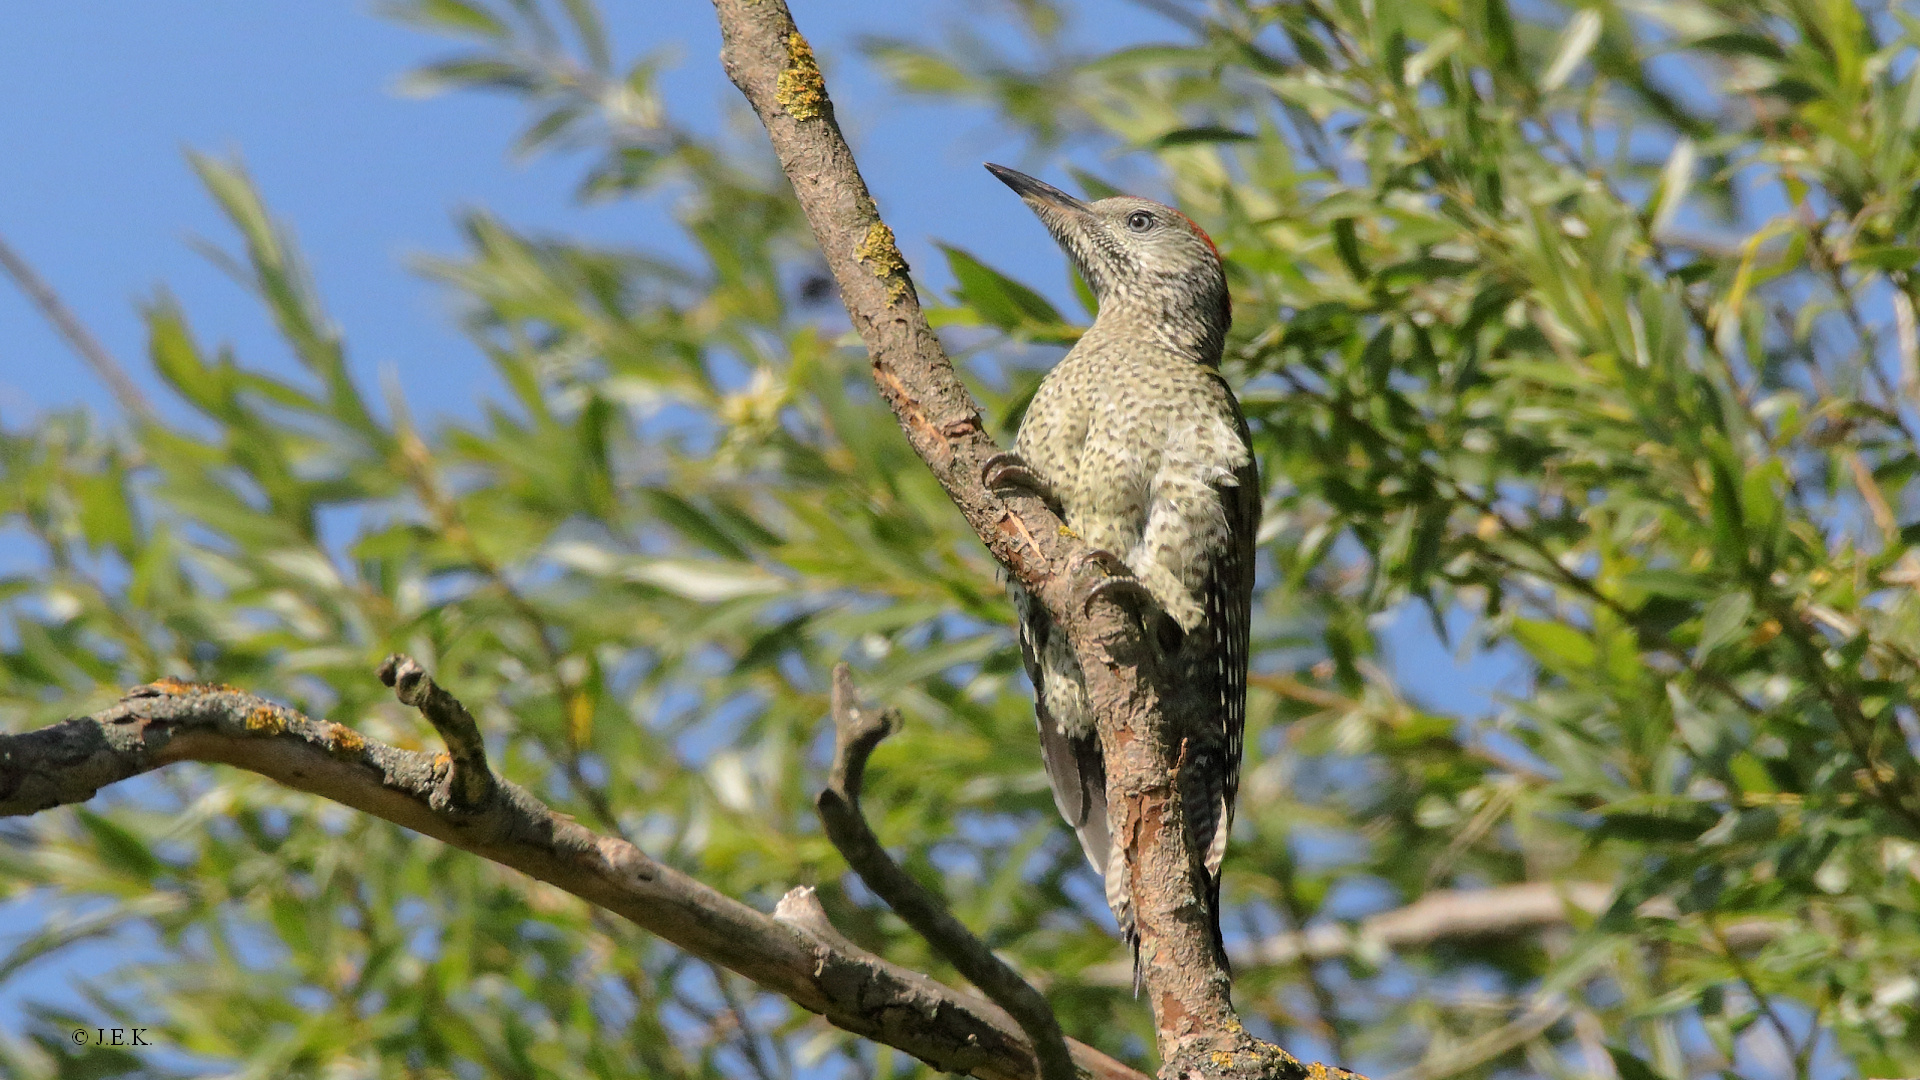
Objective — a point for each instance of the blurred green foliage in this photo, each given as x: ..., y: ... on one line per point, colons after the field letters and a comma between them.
x: 1595, y: 324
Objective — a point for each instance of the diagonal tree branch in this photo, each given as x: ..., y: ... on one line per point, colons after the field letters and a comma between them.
x: 78, y: 337
x: 794, y: 952
x: 1198, y: 1033
x: 856, y: 732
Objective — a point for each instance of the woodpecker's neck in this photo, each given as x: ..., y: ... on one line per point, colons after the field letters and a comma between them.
x: 1183, y: 316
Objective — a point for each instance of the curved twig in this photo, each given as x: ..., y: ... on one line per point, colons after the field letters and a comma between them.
x: 469, y: 782
x: 856, y: 732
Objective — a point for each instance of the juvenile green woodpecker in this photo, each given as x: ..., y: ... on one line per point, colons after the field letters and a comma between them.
x: 1137, y: 442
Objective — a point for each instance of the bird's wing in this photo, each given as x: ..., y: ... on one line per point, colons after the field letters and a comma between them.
x: 1229, y: 631
x: 1076, y: 769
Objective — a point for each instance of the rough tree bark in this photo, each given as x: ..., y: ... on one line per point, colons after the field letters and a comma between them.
x: 1199, y: 1034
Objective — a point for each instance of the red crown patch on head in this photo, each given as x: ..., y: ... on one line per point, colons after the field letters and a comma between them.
x: 1198, y: 231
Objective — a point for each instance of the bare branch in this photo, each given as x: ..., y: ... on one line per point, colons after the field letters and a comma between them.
x: 1443, y: 915
x: 793, y: 952
x: 1198, y: 1033
x: 75, y: 333
x: 469, y: 782
x: 856, y: 732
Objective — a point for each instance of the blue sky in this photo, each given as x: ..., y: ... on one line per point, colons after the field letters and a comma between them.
x: 103, y: 97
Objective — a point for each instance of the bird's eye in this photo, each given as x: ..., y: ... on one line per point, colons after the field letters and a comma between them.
x: 1139, y: 221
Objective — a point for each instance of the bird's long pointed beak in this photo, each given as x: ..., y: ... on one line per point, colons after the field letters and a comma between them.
x: 1036, y: 193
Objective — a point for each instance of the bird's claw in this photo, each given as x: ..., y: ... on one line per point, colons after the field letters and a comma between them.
x: 1009, y: 472
x: 1122, y: 590
x: 1109, y: 563
x: 1119, y: 585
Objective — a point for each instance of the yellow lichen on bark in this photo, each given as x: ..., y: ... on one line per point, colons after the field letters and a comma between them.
x: 265, y: 721
x: 344, y: 740
x: 800, y: 89
x: 882, y: 256
x: 171, y: 687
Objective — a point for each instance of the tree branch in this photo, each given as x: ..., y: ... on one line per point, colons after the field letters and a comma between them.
x: 794, y: 952
x: 469, y: 782
x: 1452, y: 915
x: 856, y: 732
x: 76, y: 334
x: 1198, y: 1033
